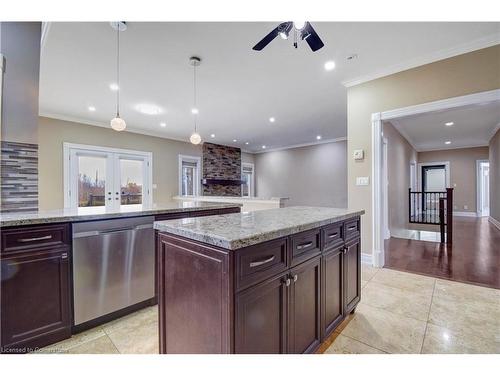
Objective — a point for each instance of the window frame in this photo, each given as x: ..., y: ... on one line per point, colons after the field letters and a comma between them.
x: 251, y: 188
x: 197, y: 178
x: 113, y: 156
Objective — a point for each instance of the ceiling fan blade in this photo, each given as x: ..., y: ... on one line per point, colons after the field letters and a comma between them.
x: 312, y: 38
x: 269, y: 37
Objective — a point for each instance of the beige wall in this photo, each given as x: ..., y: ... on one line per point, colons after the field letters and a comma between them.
x: 462, y: 173
x: 399, y: 156
x: 461, y: 75
x: 495, y: 176
x: 53, y: 133
x: 313, y: 175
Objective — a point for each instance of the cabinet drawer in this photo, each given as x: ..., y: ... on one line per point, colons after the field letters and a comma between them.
x: 305, y: 245
x: 26, y: 238
x: 333, y: 235
x: 351, y: 228
x: 259, y: 262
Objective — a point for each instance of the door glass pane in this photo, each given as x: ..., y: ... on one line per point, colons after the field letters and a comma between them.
x: 246, y: 186
x: 435, y: 179
x: 188, y: 180
x: 91, y: 181
x: 131, y: 181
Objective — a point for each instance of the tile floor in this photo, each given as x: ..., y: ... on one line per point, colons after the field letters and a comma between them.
x: 399, y: 313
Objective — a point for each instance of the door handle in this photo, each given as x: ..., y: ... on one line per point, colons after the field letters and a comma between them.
x: 304, y: 245
x: 261, y: 262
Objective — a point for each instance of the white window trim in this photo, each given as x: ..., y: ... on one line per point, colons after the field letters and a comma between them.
x: 147, y: 197
x: 197, y: 185
x: 252, y: 181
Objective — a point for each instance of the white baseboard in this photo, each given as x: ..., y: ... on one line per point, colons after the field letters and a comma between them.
x: 366, y: 259
x: 465, y: 213
x: 490, y: 219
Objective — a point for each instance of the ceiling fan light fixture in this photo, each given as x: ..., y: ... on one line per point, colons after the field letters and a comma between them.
x: 299, y: 25
x: 283, y: 35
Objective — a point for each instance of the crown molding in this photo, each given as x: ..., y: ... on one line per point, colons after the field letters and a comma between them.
x: 494, y: 131
x: 423, y: 149
x: 333, y: 140
x: 485, y: 42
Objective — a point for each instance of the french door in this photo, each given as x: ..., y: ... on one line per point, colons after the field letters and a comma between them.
x: 108, y: 178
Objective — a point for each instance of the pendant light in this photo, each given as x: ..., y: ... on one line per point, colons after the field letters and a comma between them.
x: 118, y: 123
x: 195, y: 138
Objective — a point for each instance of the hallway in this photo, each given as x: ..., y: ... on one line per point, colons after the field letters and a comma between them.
x: 474, y: 256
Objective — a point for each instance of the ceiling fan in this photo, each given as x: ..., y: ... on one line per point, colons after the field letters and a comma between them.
x: 300, y: 31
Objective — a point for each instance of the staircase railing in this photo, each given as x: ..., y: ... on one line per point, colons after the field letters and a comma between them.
x: 432, y: 207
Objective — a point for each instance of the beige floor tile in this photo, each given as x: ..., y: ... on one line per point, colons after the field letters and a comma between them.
x: 346, y: 345
x: 73, y: 341
x: 396, y: 300
x: 142, y: 317
x: 140, y: 339
x: 461, y: 292
x: 440, y: 340
x: 101, y: 345
x: 404, y: 280
x: 467, y: 318
x: 367, y: 272
x: 381, y: 329
x: 363, y: 283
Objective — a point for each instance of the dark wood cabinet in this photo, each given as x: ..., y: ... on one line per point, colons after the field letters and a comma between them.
x: 286, y: 295
x: 332, y: 289
x: 261, y: 317
x: 352, y: 274
x: 35, y: 298
x: 304, y: 321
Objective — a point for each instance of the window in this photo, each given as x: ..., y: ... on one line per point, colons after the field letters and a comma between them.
x: 111, y: 178
x: 189, y: 175
x: 247, y: 175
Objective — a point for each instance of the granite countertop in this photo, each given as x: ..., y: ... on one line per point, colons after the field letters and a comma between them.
x: 234, y: 231
x: 98, y: 213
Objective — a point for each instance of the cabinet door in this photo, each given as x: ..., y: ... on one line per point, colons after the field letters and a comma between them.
x: 35, y: 298
x: 332, y: 290
x: 261, y: 317
x: 352, y: 274
x: 305, y: 314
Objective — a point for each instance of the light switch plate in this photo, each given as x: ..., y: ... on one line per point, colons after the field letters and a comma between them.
x: 359, y: 154
x: 362, y: 181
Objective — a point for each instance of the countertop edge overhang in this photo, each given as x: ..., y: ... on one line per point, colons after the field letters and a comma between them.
x: 238, y: 230
x: 8, y: 220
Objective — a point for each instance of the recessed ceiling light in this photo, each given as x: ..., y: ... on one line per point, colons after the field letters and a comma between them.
x: 264, y: 146
x: 194, y: 111
x: 235, y: 140
x: 148, y: 109
x: 272, y: 119
x: 114, y: 87
x: 212, y: 135
x: 163, y: 124
x: 330, y: 65
x: 247, y: 143
x: 449, y: 123
x: 447, y: 142
x: 91, y: 108
x: 318, y: 137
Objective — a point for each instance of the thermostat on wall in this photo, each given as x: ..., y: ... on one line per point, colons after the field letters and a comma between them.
x: 359, y: 154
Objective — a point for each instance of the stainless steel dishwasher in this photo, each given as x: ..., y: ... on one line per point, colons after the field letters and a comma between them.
x: 113, y: 265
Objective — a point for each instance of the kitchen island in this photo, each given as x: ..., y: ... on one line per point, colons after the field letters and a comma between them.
x: 272, y: 281
x: 67, y: 270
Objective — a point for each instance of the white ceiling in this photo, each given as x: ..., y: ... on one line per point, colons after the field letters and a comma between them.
x: 238, y: 88
x: 473, y: 126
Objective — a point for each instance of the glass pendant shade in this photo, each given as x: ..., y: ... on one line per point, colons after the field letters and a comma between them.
x: 195, y: 138
x: 118, y: 124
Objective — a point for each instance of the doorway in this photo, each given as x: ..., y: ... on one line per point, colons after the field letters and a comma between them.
x: 483, y: 188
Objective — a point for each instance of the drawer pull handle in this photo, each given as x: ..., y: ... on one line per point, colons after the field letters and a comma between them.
x: 64, y: 255
x: 286, y: 281
x: 261, y: 262
x: 352, y: 227
x: 295, y: 278
x: 333, y: 235
x: 35, y: 239
x: 304, y: 245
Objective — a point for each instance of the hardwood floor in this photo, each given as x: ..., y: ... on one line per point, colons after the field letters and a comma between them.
x: 474, y: 256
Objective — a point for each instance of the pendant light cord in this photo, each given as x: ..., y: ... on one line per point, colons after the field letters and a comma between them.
x: 118, y: 70
x: 194, y: 94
